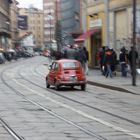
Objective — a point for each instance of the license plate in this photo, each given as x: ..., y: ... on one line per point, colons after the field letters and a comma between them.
x: 73, y: 78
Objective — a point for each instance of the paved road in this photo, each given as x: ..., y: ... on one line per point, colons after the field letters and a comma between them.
x: 35, y: 113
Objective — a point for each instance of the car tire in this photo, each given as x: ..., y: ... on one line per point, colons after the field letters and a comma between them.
x: 47, y: 84
x: 72, y: 87
x: 56, y: 86
x: 83, y: 87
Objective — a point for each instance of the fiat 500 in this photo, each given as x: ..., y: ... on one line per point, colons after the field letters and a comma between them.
x: 66, y: 72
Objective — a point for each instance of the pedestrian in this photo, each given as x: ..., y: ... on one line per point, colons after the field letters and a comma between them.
x: 130, y: 57
x: 81, y: 56
x: 123, y: 58
x: 114, y: 61
x: 58, y: 55
x: 108, y: 62
x: 64, y: 51
x: 71, y: 52
x: 87, y: 59
x: 102, y: 60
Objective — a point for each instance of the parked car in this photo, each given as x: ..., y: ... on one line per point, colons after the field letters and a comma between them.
x: 46, y: 53
x: 2, y: 59
x: 66, y: 72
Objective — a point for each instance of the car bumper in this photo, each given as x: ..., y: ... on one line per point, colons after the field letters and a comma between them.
x: 69, y: 83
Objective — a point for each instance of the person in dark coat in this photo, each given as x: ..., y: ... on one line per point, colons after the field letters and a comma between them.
x: 130, y: 58
x: 102, y: 60
x: 87, y: 59
x: 114, y: 62
x: 71, y: 53
x: 108, y: 62
x: 81, y: 56
x: 123, y: 58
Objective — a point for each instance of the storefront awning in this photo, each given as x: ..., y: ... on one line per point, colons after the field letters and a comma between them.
x: 87, y: 34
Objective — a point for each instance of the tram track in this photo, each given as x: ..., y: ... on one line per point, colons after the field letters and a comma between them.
x: 10, y: 130
x: 5, y: 125
x: 78, y: 102
x: 114, y: 115
x: 70, y: 99
x: 48, y: 110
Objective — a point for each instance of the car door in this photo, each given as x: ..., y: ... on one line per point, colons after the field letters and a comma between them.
x: 53, y: 72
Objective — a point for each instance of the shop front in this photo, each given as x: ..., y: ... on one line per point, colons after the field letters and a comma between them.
x: 95, y: 42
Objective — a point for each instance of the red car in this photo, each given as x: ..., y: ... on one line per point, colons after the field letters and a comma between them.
x: 66, y: 72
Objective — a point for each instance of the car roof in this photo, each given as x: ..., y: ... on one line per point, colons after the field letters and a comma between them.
x: 66, y: 60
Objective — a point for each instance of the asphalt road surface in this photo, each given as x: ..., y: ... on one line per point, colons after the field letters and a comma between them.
x: 29, y: 111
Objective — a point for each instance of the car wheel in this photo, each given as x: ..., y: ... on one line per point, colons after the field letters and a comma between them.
x: 47, y: 84
x: 83, y: 87
x: 57, y: 86
x: 72, y: 87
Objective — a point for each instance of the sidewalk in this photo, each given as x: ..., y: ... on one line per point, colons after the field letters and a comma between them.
x: 119, y: 83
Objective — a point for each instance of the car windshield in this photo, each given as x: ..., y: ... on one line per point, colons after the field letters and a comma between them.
x: 67, y: 65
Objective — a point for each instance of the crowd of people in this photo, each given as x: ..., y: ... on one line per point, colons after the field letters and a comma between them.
x: 107, y: 58
x: 108, y: 61
x: 76, y: 52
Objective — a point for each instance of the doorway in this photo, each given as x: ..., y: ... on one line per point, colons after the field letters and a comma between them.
x: 96, y: 44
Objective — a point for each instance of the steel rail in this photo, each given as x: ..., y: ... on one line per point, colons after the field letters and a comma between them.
x: 81, y: 103
x: 90, y: 133
x: 10, y: 130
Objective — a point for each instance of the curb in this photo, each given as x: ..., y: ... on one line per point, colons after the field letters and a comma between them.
x: 110, y: 87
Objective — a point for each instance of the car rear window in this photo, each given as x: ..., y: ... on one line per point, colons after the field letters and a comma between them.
x: 67, y: 65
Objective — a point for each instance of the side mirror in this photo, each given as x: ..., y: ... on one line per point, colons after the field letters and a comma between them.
x: 50, y: 67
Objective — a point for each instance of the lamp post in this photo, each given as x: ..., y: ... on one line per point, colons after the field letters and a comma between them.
x: 134, y: 45
x: 50, y: 22
x: 107, y: 42
x: 84, y: 23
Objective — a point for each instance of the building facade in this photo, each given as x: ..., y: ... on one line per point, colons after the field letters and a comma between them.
x: 120, y: 26
x: 66, y: 15
x: 70, y: 19
x: 5, y: 32
x: 13, y: 25
x: 49, y: 8
x: 30, y: 20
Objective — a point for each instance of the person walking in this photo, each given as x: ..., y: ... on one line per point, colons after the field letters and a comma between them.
x: 108, y: 62
x: 102, y: 60
x: 86, y: 60
x: 81, y: 56
x: 114, y: 61
x: 70, y: 52
x: 130, y: 58
x: 123, y: 58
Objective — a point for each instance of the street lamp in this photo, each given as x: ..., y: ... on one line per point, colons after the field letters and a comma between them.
x: 107, y: 23
x: 50, y: 22
x: 85, y: 16
x: 134, y: 45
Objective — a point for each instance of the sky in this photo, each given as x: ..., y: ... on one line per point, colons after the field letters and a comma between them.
x: 27, y: 3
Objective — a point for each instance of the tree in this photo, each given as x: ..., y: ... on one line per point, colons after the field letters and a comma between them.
x: 58, y: 34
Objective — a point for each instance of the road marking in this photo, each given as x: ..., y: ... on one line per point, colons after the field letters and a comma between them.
x: 82, y: 113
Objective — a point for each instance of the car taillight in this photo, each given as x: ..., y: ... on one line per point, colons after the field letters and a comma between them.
x: 78, y: 72
x: 83, y: 78
x: 66, y: 72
